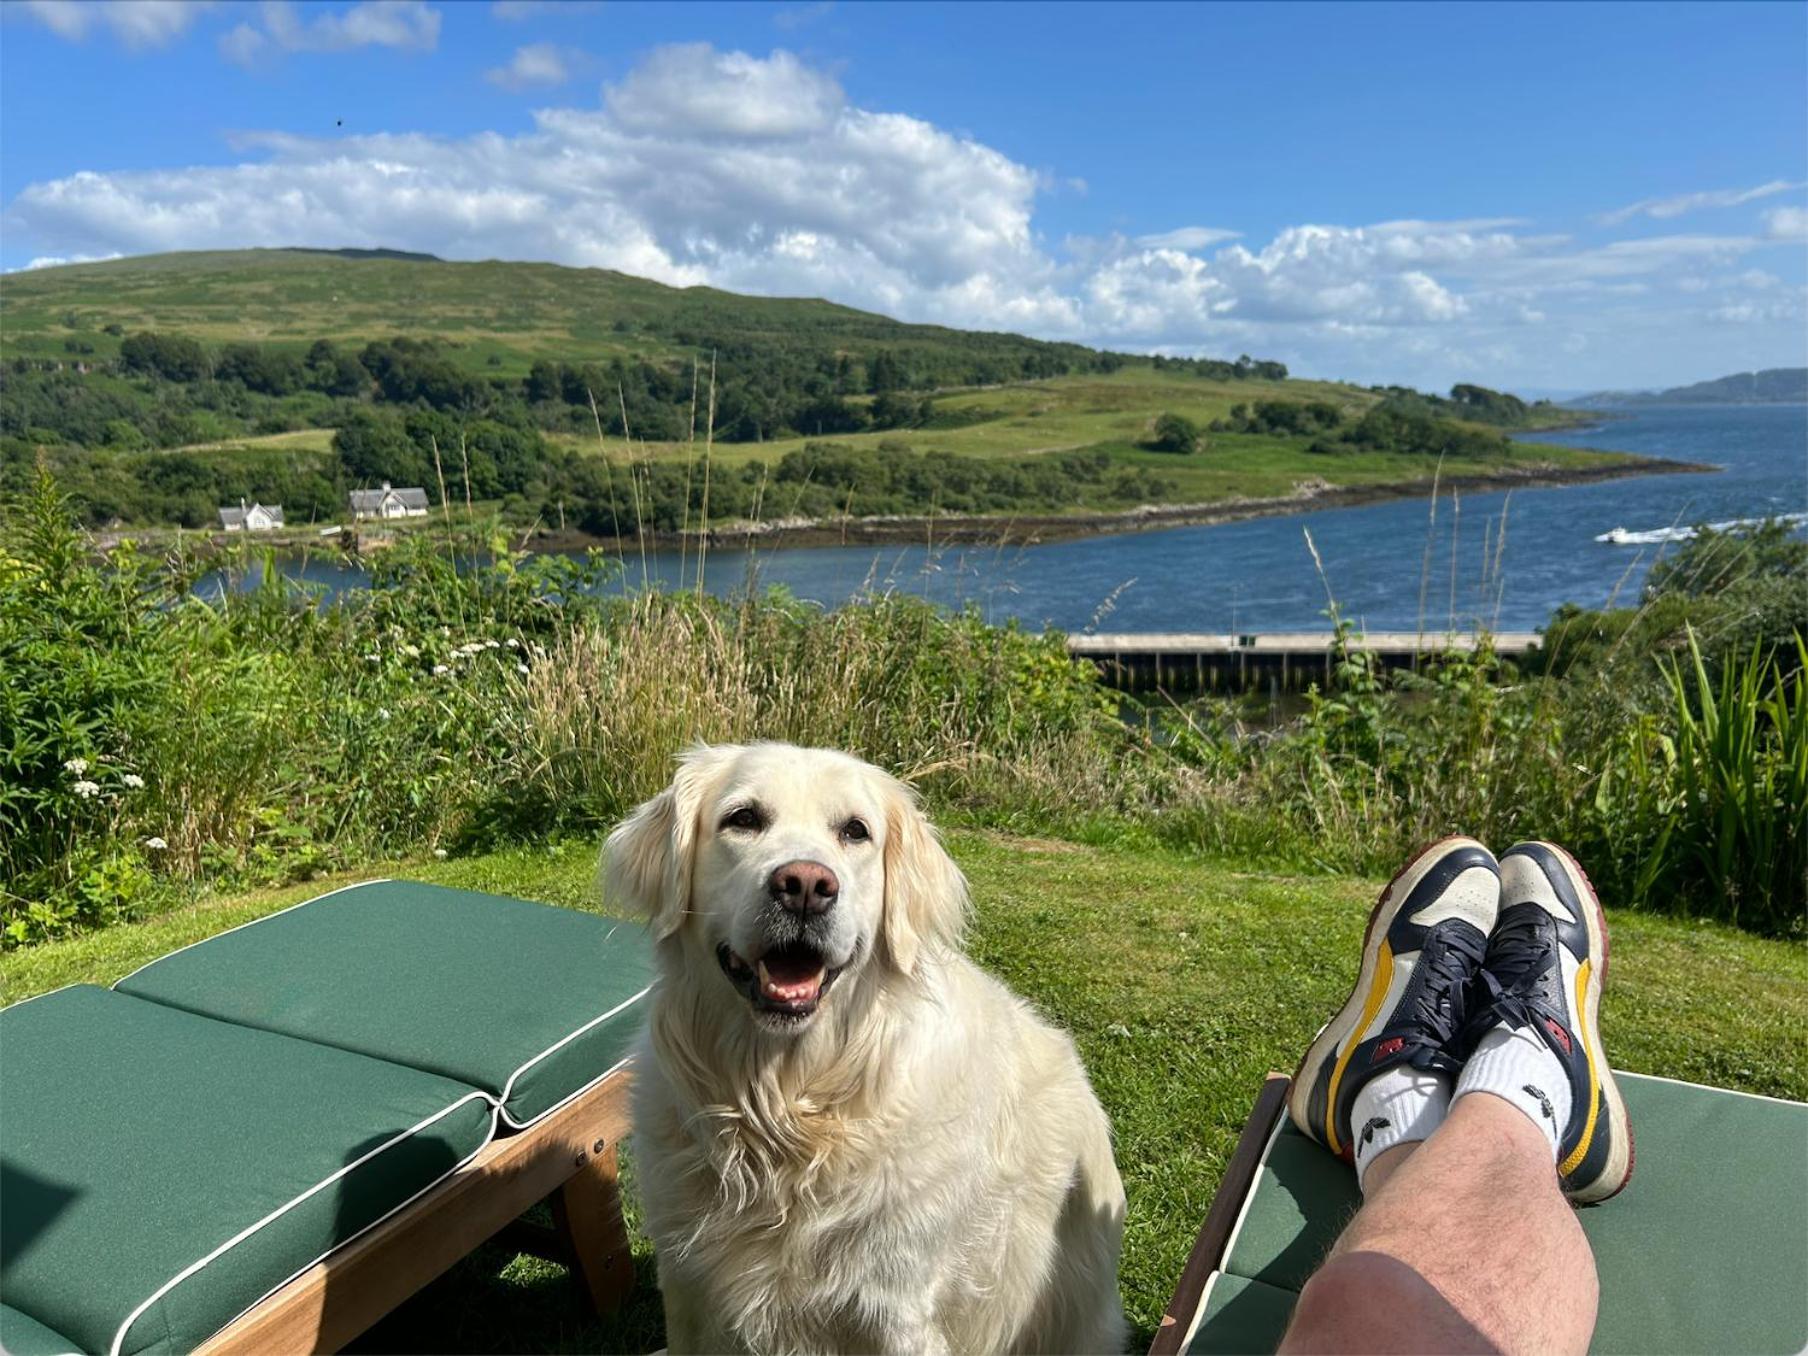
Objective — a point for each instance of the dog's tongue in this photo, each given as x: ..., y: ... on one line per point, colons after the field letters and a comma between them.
x: 791, y: 977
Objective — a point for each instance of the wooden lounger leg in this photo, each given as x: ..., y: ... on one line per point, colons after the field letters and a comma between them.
x: 588, y: 1212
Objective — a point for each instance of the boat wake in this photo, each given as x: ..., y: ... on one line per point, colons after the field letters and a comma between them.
x: 1620, y: 536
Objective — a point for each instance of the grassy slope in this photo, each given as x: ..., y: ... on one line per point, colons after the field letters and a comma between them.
x: 1183, y: 982
x: 1113, y: 413
x: 503, y: 316
x: 516, y: 312
x: 1109, y: 412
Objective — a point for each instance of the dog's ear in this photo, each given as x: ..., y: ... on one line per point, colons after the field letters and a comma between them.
x: 647, y: 861
x: 925, y: 892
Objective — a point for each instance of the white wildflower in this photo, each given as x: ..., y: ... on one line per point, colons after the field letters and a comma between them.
x: 133, y: 781
x: 512, y: 643
x: 440, y: 854
x: 382, y: 713
x: 373, y: 659
x: 412, y: 651
x: 76, y: 766
x: 521, y: 668
x: 155, y: 844
x: 440, y: 670
x: 492, y: 645
x: 87, y: 790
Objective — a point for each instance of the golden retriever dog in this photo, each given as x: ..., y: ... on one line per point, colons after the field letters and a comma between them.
x: 848, y: 1136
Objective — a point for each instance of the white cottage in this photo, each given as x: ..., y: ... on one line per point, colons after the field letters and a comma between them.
x: 389, y: 502
x: 250, y: 517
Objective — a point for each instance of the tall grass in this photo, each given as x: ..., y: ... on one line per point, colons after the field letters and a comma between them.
x: 153, y: 741
x: 1727, y: 787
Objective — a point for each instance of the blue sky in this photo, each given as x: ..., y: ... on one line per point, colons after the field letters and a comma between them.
x: 1540, y: 196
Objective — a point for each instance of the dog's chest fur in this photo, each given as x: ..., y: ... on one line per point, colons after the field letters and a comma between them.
x: 785, y: 1225
x: 830, y: 1258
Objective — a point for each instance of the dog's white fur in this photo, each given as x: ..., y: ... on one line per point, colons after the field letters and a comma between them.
x: 920, y: 1166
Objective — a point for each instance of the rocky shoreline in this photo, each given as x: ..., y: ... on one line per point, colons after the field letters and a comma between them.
x: 1019, y: 529
x: 1030, y: 528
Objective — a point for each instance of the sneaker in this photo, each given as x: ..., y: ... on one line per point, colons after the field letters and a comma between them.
x: 1545, y: 969
x: 1424, y: 945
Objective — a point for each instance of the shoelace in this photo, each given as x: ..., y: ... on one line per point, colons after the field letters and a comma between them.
x: 1518, y: 957
x: 1447, y: 963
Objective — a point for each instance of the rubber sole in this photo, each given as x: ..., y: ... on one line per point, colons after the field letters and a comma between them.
x: 1618, y: 1170
x: 1324, y: 1046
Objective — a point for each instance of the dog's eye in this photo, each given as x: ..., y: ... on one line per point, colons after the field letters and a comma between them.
x: 855, y: 831
x: 747, y: 817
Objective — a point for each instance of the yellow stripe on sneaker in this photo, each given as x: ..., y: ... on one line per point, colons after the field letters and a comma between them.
x: 1574, y: 1161
x: 1384, y: 976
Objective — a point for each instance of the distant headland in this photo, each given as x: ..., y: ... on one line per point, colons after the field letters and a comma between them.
x: 1772, y: 386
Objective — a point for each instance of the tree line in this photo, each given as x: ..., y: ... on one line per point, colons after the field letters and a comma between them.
x: 169, y: 390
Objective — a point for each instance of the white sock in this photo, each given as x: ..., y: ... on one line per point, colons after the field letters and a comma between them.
x: 1519, y: 1068
x: 1396, y: 1106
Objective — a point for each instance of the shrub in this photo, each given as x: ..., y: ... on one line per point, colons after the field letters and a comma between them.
x: 85, y: 671
x: 1173, y: 433
x: 153, y: 739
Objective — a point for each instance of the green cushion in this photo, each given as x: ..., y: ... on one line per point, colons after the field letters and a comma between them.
x: 1241, y: 1315
x: 23, y: 1335
x: 163, y: 1172
x: 1303, y: 1198
x: 530, y: 1003
x: 1719, y: 1175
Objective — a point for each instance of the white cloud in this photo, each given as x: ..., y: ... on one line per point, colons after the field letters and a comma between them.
x: 136, y: 23
x: 1187, y: 238
x: 57, y: 260
x: 243, y: 45
x: 537, y: 65
x: 799, y: 16
x: 1786, y: 223
x: 1665, y: 208
x: 513, y: 11
x: 1751, y: 312
x: 407, y: 25
x: 758, y: 174
x: 1470, y: 224
x: 694, y: 91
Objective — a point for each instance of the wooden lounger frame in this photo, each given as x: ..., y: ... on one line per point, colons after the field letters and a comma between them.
x: 1181, y: 1318
x: 569, y: 1156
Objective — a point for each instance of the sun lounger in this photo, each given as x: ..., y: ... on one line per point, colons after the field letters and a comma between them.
x: 266, y: 1141
x: 1705, y: 1251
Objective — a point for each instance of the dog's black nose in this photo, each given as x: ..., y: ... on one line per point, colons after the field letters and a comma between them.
x: 804, y: 888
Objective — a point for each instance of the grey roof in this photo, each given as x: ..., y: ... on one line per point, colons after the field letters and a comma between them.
x: 235, y: 516
x: 368, y: 501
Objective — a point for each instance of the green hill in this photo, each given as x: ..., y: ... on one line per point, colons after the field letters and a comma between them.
x: 514, y: 312
x: 159, y: 388
x: 1771, y: 386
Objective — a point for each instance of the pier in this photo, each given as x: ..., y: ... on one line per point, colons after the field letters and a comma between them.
x: 1281, y: 660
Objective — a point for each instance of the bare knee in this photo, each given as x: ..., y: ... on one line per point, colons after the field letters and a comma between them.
x: 1370, y: 1302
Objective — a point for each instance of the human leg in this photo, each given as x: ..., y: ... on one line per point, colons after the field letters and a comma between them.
x: 1465, y: 1241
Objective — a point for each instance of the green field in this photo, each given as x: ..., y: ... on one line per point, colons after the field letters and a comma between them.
x: 529, y: 345
x: 513, y: 312
x: 1112, y: 412
x: 1183, y: 981
x: 1108, y: 412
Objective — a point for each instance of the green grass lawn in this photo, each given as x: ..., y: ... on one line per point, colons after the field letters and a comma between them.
x: 1113, y: 414
x: 1183, y: 981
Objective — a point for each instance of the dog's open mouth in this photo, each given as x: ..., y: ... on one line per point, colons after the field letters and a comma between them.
x: 787, y: 981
